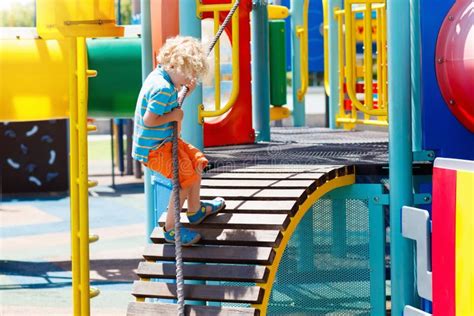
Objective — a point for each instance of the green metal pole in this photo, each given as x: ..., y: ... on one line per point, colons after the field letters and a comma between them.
x: 400, y: 152
x: 333, y: 63
x: 147, y: 67
x: 260, y: 70
x: 190, y: 25
x: 415, y: 51
x: 299, y: 113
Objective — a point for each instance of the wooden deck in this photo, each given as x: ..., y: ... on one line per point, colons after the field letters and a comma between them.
x: 243, y: 243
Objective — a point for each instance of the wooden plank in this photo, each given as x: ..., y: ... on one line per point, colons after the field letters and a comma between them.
x: 293, y: 184
x: 235, y: 237
x: 256, y: 206
x: 212, y: 254
x: 206, y: 272
x: 160, y: 309
x: 264, y: 176
x: 251, y: 194
x: 216, y: 293
x: 248, y: 184
x: 236, y: 183
x: 238, y: 221
x: 272, y: 169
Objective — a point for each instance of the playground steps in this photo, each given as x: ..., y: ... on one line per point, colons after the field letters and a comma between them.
x: 243, y: 244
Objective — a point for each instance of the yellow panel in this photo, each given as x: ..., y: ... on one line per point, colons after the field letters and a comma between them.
x: 77, y: 18
x: 34, y: 79
x: 464, y: 239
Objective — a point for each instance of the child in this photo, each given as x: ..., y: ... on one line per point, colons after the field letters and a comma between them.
x: 182, y: 61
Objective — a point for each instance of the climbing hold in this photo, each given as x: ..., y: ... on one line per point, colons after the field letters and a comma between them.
x: 24, y: 149
x: 51, y: 175
x: 31, y: 167
x: 10, y: 133
x: 46, y: 138
x: 52, y: 157
x: 12, y: 163
x: 35, y: 181
x: 32, y: 131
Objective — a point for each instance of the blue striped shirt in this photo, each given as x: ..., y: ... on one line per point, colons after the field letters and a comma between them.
x: 159, y: 96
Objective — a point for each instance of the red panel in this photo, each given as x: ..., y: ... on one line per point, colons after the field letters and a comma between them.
x: 455, y: 62
x: 235, y: 127
x: 444, y: 242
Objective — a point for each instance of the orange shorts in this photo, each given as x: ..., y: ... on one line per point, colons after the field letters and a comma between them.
x: 191, y: 162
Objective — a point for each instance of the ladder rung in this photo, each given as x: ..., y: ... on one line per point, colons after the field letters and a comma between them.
x: 91, y: 128
x: 92, y: 183
x: 91, y: 73
x: 93, y: 238
x: 93, y: 292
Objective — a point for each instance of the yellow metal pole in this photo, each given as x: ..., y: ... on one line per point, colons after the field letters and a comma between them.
x: 368, y: 75
x: 383, y: 64
x: 302, y: 34
x: 326, y: 44
x: 73, y: 184
x: 340, y: 41
x: 83, y: 173
x: 379, y: 59
x: 217, y: 64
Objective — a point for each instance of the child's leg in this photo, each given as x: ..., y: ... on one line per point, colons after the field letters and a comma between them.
x: 183, y: 195
x: 194, y: 198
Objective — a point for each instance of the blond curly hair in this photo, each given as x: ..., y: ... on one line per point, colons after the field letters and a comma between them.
x: 185, y: 55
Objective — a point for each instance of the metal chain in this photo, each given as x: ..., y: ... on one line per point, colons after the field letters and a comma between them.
x: 176, y: 185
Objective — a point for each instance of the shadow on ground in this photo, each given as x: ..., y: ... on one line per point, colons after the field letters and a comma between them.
x: 58, y: 274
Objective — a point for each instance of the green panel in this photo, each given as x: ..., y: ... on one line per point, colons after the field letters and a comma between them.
x: 114, y: 92
x: 277, y: 63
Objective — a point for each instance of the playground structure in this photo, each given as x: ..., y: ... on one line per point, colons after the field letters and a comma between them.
x: 251, y: 242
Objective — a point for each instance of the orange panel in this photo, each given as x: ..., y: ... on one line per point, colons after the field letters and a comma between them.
x: 164, y: 23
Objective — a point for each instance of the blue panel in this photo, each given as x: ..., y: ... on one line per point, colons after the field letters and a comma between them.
x: 442, y: 132
x: 315, y: 40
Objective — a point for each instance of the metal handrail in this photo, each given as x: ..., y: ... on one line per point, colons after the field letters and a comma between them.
x: 216, y: 8
x: 349, y: 16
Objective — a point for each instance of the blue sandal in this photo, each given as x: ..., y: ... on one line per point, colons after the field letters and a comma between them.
x: 217, y: 205
x: 188, y: 237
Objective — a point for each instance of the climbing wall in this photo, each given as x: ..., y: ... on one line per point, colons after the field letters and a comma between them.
x: 34, y: 157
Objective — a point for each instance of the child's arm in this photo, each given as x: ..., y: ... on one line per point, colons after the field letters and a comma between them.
x: 151, y: 119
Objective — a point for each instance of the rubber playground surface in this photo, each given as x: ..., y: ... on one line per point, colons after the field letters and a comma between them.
x: 35, y: 271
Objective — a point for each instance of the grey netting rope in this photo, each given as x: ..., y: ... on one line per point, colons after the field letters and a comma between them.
x: 176, y: 185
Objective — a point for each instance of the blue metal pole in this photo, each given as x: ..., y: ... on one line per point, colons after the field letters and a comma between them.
x: 415, y: 51
x: 299, y: 115
x: 190, y: 25
x: 400, y: 152
x: 147, y: 67
x: 192, y: 131
x: 339, y: 228
x: 261, y: 70
x: 333, y: 63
